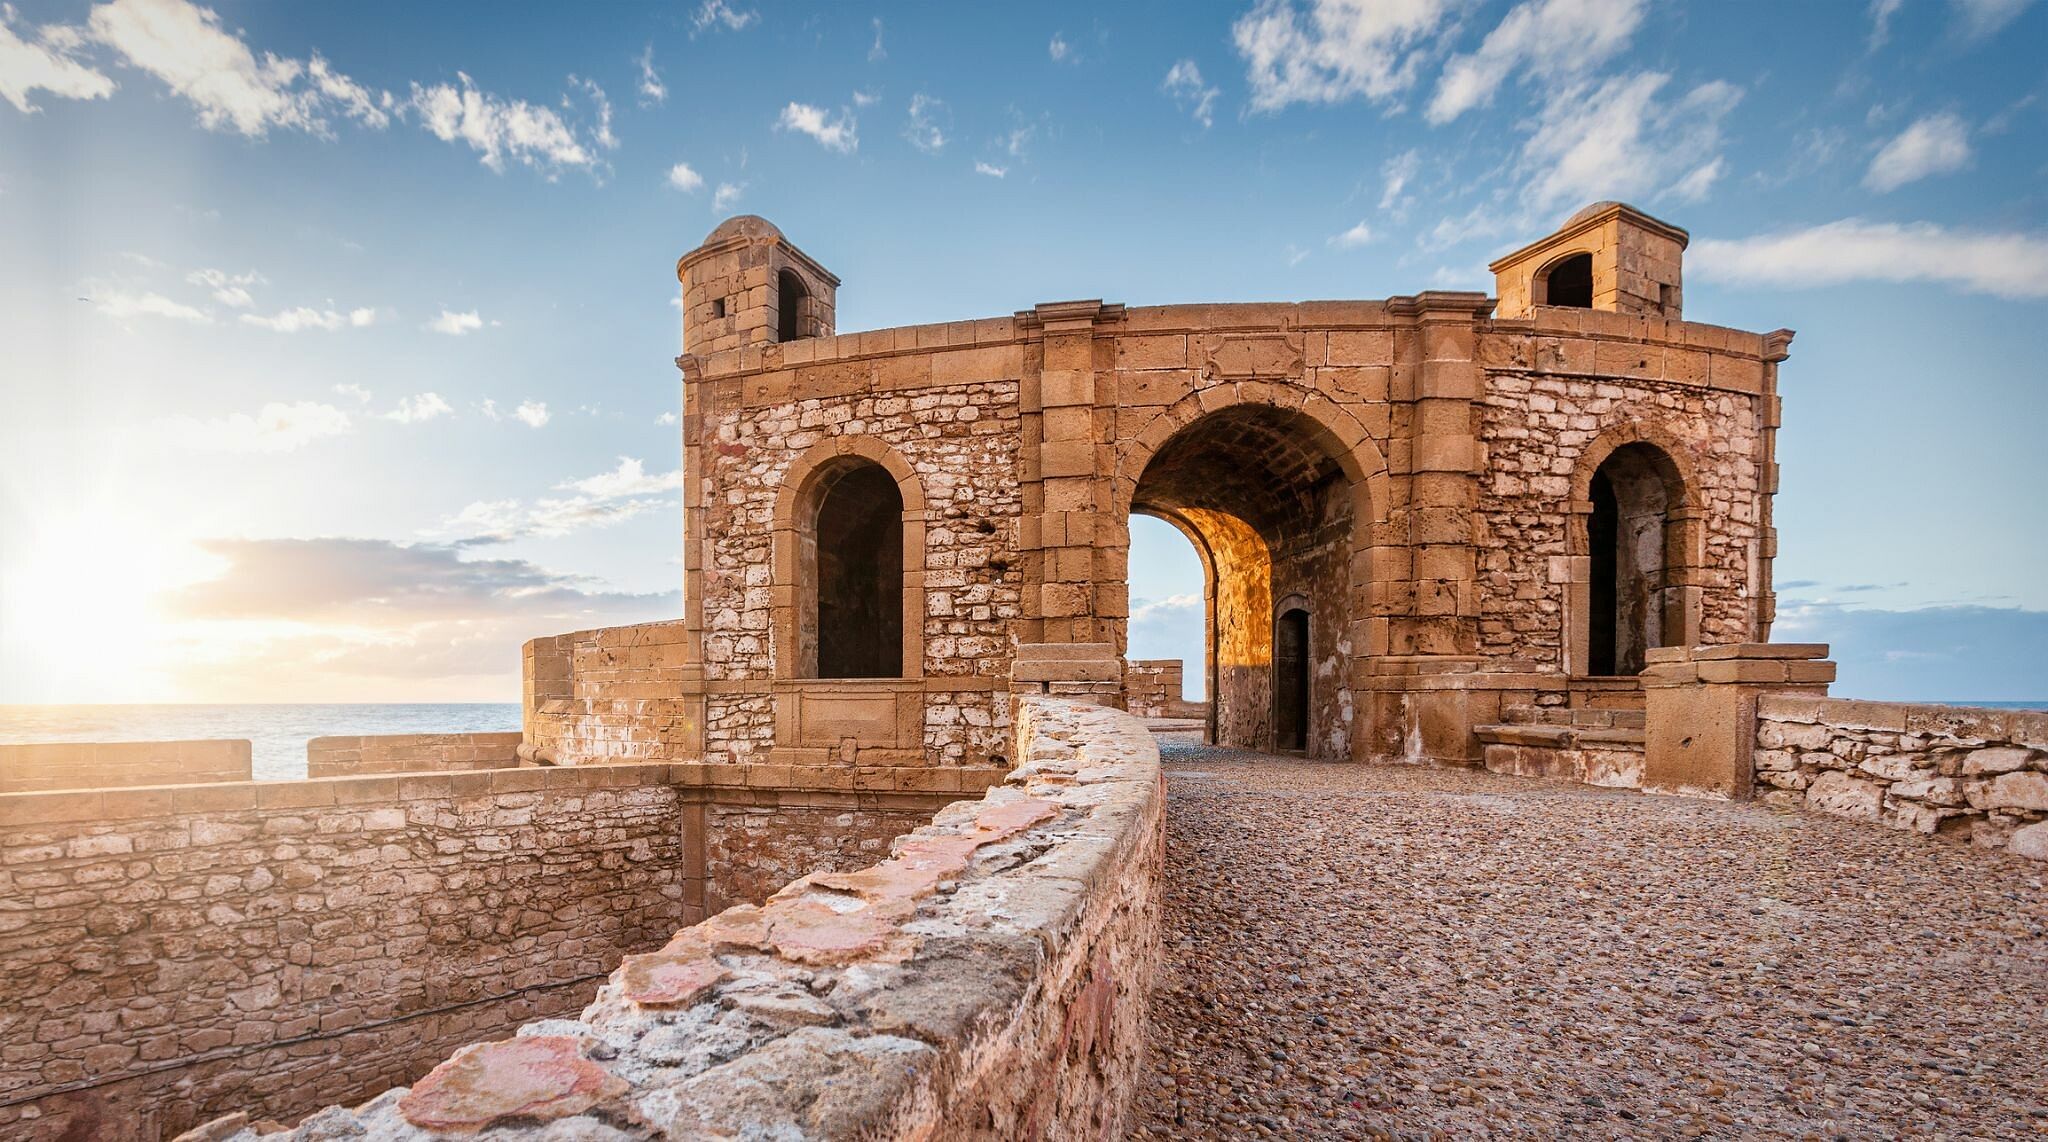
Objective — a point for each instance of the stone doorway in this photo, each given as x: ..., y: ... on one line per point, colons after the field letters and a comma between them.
x: 1290, y: 679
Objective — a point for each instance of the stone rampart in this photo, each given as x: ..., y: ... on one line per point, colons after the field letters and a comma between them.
x: 410, y: 753
x: 612, y: 694
x: 988, y: 980
x: 100, y: 765
x: 1947, y: 770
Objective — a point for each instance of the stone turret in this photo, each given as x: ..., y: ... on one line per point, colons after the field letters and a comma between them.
x: 748, y: 285
x: 1608, y: 256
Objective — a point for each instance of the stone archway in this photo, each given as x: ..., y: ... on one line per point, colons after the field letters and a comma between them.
x: 1271, y: 499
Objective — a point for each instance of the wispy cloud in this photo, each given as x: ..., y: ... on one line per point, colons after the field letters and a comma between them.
x: 48, y: 64
x: 653, y: 92
x: 123, y: 304
x: 276, y: 427
x: 1545, y: 39
x: 876, y: 52
x: 228, y: 289
x: 630, y: 478
x: 1981, y: 19
x: 990, y: 169
x: 833, y: 132
x: 1619, y: 138
x: 727, y: 196
x: 301, y: 318
x: 1337, y: 50
x: 456, y: 324
x: 1881, y: 14
x: 1060, y: 50
x: 499, y: 129
x: 1184, y: 83
x: 720, y: 16
x: 926, y: 126
x: 1353, y: 238
x: 413, y: 409
x: 1932, y: 144
x: 608, y: 498
x: 1396, y: 174
x: 2002, y: 264
x: 682, y: 178
x: 532, y: 413
x: 361, y: 394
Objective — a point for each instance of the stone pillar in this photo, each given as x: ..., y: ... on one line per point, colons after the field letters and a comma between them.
x: 1770, y: 414
x: 689, y: 732
x: 1700, y: 706
x: 1076, y: 599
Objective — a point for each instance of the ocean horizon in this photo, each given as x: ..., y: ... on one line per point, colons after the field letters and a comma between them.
x: 278, y: 731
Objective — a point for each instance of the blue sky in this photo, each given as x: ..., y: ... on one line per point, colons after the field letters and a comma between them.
x: 340, y: 336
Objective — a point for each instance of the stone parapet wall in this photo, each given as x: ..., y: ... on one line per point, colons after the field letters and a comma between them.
x: 100, y: 765
x: 409, y: 753
x: 1940, y: 770
x: 989, y: 980
x: 612, y: 694
x: 168, y: 953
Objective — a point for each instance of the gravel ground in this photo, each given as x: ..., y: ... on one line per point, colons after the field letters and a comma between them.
x: 1359, y: 951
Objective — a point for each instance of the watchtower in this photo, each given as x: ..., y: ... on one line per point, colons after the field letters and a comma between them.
x: 748, y: 285
x: 1608, y: 256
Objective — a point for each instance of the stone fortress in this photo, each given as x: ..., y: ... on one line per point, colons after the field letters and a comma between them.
x: 1530, y: 532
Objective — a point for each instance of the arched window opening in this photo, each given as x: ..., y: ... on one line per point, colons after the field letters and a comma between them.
x: 789, y: 298
x: 850, y: 588
x: 1290, y: 679
x: 1631, y: 538
x: 1569, y: 282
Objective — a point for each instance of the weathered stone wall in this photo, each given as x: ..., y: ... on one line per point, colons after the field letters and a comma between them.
x: 750, y: 850
x: 990, y: 980
x: 613, y: 694
x: 1941, y: 770
x: 1153, y: 688
x: 170, y: 953
x: 353, y: 756
x: 100, y: 765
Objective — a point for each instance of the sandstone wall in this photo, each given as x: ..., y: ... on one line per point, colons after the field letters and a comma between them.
x: 613, y: 694
x: 100, y: 765
x: 990, y: 980
x: 409, y: 753
x: 1948, y: 770
x: 168, y: 953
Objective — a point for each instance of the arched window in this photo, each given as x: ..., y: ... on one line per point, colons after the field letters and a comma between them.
x: 789, y: 298
x: 1635, y: 602
x: 1568, y: 282
x: 850, y: 573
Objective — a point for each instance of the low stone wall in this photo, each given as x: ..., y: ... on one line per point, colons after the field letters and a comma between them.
x: 1945, y: 770
x: 101, y: 765
x: 989, y: 980
x: 1152, y: 689
x: 410, y: 753
x: 170, y: 953
x: 1591, y: 746
x: 613, y: 694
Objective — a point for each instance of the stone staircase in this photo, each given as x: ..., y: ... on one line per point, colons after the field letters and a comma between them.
x: 1588, y: 745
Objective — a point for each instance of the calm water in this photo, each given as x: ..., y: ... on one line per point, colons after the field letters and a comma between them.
x: 277, y: 733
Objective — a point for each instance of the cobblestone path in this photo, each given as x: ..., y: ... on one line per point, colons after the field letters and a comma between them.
x: 1395, y: 952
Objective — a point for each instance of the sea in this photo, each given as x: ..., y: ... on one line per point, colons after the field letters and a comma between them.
x: 277, y: 732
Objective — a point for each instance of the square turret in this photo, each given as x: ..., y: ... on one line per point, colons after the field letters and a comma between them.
x: 1608, y: 256
x: 748, y: 285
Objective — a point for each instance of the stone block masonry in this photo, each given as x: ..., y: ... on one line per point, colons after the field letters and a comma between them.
x: 99, y: 765
x: 410, y: 753
x: 989, y: 980
x: 1938, y: 770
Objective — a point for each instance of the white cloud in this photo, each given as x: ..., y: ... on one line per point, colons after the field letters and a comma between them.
x: 990, y: 169
x: 833, y: 133
x: 1353, y: 238
x: 228, y: 289
x: 301, y: 318
x: 1550, y: 39
x: 1697, y: 182
x: 926, y: 130
x: 2013, y: 265
x: 185, y: 46
x: 652, y: 90
x: 1398, y: 172
x: 361, y: 394
x: 726, y: 196
x: 1881, y: 13
x: 1060, y: 50
x: 1618, y: 139
x: 455, y: 324
x: 666, y: 419
x: 1295, y: 255
x: 498, y: 128
x: 276, y: 427
x: 630, y: 478
x: 533, y: 414
x: 49, y: 64
x: 1341, y: 50
x: 1933, y: 144
x: 681, y: 177
x: 598, y: 99
x: 1980, y: 19
x: 1184, y: 83
x: 717, y: 15
x: 413, y: 409
x: 1171, y: 607
x: 876, y: 51
x: 118, y: 303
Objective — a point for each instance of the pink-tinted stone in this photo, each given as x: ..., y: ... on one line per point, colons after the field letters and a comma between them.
x: 1013, y: 817
x: 540, y: 1077
x: 742, y: 926
x: 949, y: 853
x: 891, y: 880
x: 811, y: 933
x: 675, y: 976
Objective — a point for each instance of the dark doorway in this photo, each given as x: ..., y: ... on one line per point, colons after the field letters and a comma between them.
x: 1634, y: 603
x: 1570, y: 282
x: 789, y: 300
x: 1290, y: 680
x: 859, y: 583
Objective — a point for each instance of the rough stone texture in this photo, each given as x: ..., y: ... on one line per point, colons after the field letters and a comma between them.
x: 102, y: 765
x: 409, y: 753
x: 613, y: 694
x: 1941, y: 770
x: 1403, y: 952
x: 1152, y: 689
x: 171, y: 953
x: 755, y: 850
x: 989, y: 980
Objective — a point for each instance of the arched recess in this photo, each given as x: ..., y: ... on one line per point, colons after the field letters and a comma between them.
x: 1636, y: 548
x: 1275, y: 485
x: 1565, y: 281
x: 1207, y: 558
x: 794, y: 577
x: 790, y: 296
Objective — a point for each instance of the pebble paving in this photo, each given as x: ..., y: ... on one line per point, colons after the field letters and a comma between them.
x: 1403, y: 952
